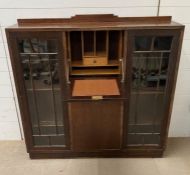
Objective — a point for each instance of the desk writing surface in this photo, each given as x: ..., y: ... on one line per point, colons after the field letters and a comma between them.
x: 103, y: 87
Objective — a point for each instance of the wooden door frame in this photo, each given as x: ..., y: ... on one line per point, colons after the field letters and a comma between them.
x: 12, y: 38
x: 172, y: 75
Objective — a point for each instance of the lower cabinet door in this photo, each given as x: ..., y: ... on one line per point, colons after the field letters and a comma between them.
x: 96, y: 125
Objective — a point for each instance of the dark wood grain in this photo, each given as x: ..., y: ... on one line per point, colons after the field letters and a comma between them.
x: 94, y: 22
x: 96, y: 125
x: 94, y: 128
x: 96, y: 18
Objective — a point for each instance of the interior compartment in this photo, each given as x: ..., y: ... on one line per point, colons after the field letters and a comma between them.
x: 95, y: 52
x: 101, y: 43
x: 75, y: 45
x: 114, y: 45
x: 88, y: 40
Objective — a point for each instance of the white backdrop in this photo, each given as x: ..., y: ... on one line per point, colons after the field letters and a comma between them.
x: 10, y: 10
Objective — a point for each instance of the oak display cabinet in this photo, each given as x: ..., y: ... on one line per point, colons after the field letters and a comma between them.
x: 95, y: 85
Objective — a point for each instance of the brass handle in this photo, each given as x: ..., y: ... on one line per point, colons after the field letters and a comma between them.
x: 122, y: 70
x: 97, y: 97
x: 68, y: 66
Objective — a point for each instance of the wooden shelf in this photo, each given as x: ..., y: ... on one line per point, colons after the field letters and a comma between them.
x: 79, y: 63
x: 97, y: 87
x: 95, y: 72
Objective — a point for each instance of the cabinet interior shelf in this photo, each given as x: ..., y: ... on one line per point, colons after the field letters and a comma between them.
x: 79, y: 63
x: 85, y: 72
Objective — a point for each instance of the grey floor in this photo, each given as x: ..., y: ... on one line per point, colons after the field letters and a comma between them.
x: 176, y: 161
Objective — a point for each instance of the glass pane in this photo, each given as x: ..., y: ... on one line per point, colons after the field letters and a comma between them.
x: 36, y: 45
x: 149, y: 79
x: 142, y: 117
x: 41, y: 141
x: 149, y: 70
x: 41, y: 75
x: 58, y: 140
x: 49, y: 140
x: 162, y: 43
x: 140, y: 139
x: 142, y: 43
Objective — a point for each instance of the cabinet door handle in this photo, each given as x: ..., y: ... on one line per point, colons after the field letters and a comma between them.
x: 68, y: 62
x: 122, y: 70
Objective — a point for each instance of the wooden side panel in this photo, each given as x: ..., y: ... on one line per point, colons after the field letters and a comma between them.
x: 95, y: 125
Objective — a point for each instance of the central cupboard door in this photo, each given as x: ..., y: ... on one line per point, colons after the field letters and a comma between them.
x: 95, y: 125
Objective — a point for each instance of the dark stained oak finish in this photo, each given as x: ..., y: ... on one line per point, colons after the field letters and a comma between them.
x: 95, y: 126
x: 95, y: 22
x: 140, y: 54
x: 95, y: 18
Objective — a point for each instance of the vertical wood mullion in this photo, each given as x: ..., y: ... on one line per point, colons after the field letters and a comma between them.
x: 67, y: 56
x: 120, y: 45
x: 159, y: 71
x: 120, y: 59
x: 152, y: 43
x: 53, y: 96
x: 124, y: 61
x: 156, y: 95
x: 69, y: 45
x: 136, y: 108
x: 107, y: 45
x: 143, y: 143
x: 82, y: 44
x: 94, y: 43
x: 137, y: 95
x: 49, y: 139
x: 31, y: 45
x: 34, y: 96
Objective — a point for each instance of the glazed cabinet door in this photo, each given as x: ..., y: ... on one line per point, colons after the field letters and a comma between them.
x: 39, y: 73
x: 151, y: 64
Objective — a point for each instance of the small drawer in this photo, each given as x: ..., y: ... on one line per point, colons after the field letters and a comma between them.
x: 97, y: 61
